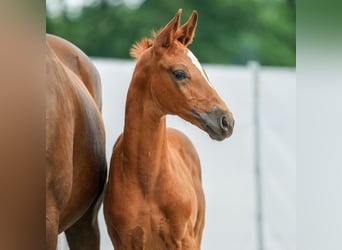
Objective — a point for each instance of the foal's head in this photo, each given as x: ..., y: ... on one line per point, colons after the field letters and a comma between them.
x: 178, y: 83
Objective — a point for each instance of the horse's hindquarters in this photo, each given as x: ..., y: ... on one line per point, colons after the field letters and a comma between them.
x: 89, y: 161
x: 75, y: 153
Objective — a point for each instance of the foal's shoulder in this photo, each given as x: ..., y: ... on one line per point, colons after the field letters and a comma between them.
x: 173, y: 133
x: 180, y: 144
x: 177, y: 137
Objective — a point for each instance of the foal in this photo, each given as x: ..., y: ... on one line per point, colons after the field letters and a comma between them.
x: 154, y: 197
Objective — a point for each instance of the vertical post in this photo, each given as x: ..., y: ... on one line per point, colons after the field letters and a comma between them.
x: 255, y: 69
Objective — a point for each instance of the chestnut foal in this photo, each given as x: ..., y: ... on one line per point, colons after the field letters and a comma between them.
x: 154, y: 197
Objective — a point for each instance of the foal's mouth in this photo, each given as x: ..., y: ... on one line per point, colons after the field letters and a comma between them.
x: 217, y: 123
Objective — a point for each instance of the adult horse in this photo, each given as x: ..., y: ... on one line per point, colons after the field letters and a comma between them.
x: 154, y: 197
x: 75, y: 146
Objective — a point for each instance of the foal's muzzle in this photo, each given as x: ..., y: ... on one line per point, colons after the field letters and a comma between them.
x: 217, y: 123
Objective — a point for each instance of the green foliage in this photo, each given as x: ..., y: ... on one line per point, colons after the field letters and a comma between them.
x: 229, y: 31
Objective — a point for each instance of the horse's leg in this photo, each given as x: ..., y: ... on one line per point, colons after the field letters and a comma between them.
x: 51, y: 234
x: 85, y: 233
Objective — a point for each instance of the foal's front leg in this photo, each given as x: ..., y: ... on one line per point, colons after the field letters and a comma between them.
x: 189, y: 243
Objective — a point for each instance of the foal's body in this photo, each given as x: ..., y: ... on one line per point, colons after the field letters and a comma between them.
x: 155, y: 185
x: 154, y: 198
x: 75, y: 146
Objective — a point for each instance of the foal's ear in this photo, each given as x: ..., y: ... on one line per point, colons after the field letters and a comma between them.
x: 167, y: 35
x: 187, y: 31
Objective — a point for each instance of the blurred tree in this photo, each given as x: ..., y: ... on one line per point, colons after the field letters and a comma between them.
x: 229, y: 31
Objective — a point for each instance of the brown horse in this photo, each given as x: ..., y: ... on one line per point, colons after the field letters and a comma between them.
x: 75, y: 146
x: 154, y: 197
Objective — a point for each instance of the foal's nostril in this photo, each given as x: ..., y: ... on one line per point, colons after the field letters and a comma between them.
x: 224, y: 123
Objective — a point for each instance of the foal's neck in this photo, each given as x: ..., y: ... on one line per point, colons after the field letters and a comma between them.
x: 144, y: 136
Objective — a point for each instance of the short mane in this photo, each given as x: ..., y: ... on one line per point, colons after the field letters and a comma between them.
x: 139, y: 47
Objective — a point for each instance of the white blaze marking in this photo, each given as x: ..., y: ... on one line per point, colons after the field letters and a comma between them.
x: 198, y: 66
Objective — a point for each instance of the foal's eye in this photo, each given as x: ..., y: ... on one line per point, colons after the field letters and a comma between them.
x: 179, y: 74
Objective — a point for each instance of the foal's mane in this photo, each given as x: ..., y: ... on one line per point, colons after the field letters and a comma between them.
x: 140, y: 46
